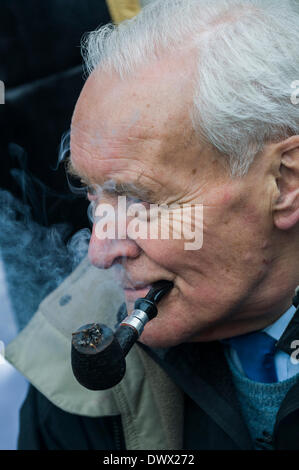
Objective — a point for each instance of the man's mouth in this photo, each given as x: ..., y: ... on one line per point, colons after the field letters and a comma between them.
x: 132, y: 293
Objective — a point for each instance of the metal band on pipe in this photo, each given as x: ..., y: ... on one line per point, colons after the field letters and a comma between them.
x: 137, y: 319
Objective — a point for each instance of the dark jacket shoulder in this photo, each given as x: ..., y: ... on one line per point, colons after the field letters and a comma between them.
x: 45, y: 426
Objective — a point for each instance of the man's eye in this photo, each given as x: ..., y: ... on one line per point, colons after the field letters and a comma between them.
x: 139, y: 209
x: 134, y: 200
x: 91, y: 190
x: 146, y: 204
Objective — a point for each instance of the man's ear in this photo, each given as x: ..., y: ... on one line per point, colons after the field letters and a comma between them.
x: 286, y: 208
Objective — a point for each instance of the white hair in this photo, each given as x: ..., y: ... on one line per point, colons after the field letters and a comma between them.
x: 247, y: 55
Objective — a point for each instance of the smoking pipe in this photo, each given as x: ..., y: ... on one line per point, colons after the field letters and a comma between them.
x: 98, y: 353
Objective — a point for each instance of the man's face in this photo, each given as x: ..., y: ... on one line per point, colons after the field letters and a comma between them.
x: 139, y: 131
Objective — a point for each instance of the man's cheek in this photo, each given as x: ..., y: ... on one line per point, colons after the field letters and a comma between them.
x: 167, y: 254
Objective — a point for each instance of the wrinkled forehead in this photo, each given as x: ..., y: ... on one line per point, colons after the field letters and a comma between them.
x: 108, y: 116
x: 98, y: 153
x: 144, y: 103
x: 103, y: 153
x: 136, y: 131
x: 115, y: 120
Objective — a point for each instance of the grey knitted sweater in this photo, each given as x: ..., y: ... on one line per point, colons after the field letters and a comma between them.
x: 260, y: 403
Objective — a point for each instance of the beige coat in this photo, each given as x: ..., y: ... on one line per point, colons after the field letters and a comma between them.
x: 150, y: 404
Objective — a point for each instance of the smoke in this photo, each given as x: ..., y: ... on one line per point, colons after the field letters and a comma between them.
x: 36, y: 257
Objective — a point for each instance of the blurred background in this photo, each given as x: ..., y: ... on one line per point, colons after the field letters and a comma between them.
x: 41, y: 68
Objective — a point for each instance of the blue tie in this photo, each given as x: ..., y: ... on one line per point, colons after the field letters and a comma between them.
x: 256, y: 353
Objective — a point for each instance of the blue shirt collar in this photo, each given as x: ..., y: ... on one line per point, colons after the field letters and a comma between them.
x: 277, y: 328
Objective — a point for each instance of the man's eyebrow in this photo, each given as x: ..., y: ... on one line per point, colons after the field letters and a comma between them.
x: 128, y: 189
x: 112, y: 187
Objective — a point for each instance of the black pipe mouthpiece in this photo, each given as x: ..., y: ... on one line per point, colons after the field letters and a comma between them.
x: 98, y: 354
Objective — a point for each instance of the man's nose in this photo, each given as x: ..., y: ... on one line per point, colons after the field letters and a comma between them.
x: 104, y: 253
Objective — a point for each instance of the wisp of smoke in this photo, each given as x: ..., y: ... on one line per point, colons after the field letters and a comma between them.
x: 36, y: 258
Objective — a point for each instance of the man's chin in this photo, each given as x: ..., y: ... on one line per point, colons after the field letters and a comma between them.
x: 161, y: 333
x: 154, y: 342
x: 155, y: 336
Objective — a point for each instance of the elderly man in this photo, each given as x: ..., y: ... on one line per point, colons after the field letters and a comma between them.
x: 190, y: 103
